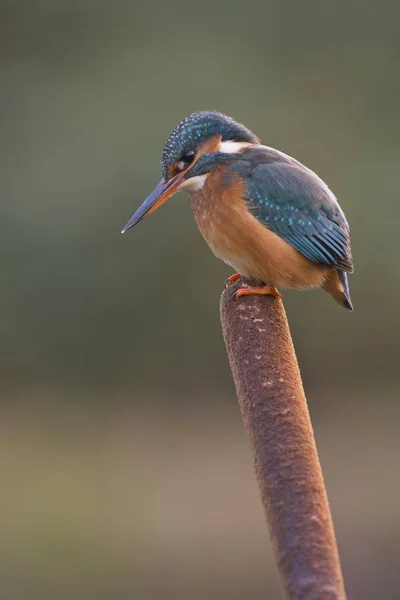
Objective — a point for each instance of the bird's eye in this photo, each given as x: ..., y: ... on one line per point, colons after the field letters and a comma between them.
x: 186, y: 160
x: 188, y: 156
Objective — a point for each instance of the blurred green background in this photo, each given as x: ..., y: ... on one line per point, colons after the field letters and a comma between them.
x: 125, y: 468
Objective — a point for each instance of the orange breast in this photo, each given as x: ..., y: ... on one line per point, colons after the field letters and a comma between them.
x: 240, y: 240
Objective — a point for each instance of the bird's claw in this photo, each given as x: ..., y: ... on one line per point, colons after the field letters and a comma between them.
x: 265, y: 290
x: 231, y: 279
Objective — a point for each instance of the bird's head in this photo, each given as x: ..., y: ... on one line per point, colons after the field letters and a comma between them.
x: 197, y: 145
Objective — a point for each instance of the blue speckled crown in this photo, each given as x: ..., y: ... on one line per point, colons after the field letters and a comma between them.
x: 196, y: 129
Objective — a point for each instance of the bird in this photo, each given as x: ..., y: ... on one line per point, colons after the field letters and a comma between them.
x: 264, y: 213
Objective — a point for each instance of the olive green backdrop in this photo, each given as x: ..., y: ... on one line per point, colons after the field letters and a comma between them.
x: 125, y: 469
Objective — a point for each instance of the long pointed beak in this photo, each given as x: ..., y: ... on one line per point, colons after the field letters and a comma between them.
x: 163, y: 191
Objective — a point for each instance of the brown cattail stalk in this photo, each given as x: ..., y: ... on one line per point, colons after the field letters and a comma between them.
x: 276, y: 418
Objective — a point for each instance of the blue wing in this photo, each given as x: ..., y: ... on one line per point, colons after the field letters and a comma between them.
x: 297, y: 205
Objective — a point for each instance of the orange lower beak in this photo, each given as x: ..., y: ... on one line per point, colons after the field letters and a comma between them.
x: 158, y: 196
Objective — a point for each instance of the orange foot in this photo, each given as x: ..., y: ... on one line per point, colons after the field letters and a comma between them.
x: 232, y: 279
x: 265, y: 290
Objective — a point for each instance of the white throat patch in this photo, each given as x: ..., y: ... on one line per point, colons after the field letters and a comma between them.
x: 193, y: 184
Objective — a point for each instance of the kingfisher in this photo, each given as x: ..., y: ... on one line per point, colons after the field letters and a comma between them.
x: 264, y: 213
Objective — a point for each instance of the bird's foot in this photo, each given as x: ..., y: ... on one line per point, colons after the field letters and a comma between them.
x: 231, y: 279
x: 265, y: 290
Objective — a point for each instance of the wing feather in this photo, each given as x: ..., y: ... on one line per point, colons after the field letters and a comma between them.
x: 293, y: 202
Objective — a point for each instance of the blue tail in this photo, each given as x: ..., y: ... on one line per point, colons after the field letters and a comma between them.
x: 347, y: 303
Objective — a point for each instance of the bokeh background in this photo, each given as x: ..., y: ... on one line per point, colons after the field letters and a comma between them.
x: 125, y: 468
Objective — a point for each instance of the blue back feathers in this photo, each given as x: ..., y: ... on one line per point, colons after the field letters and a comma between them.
x: 293, y: 202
